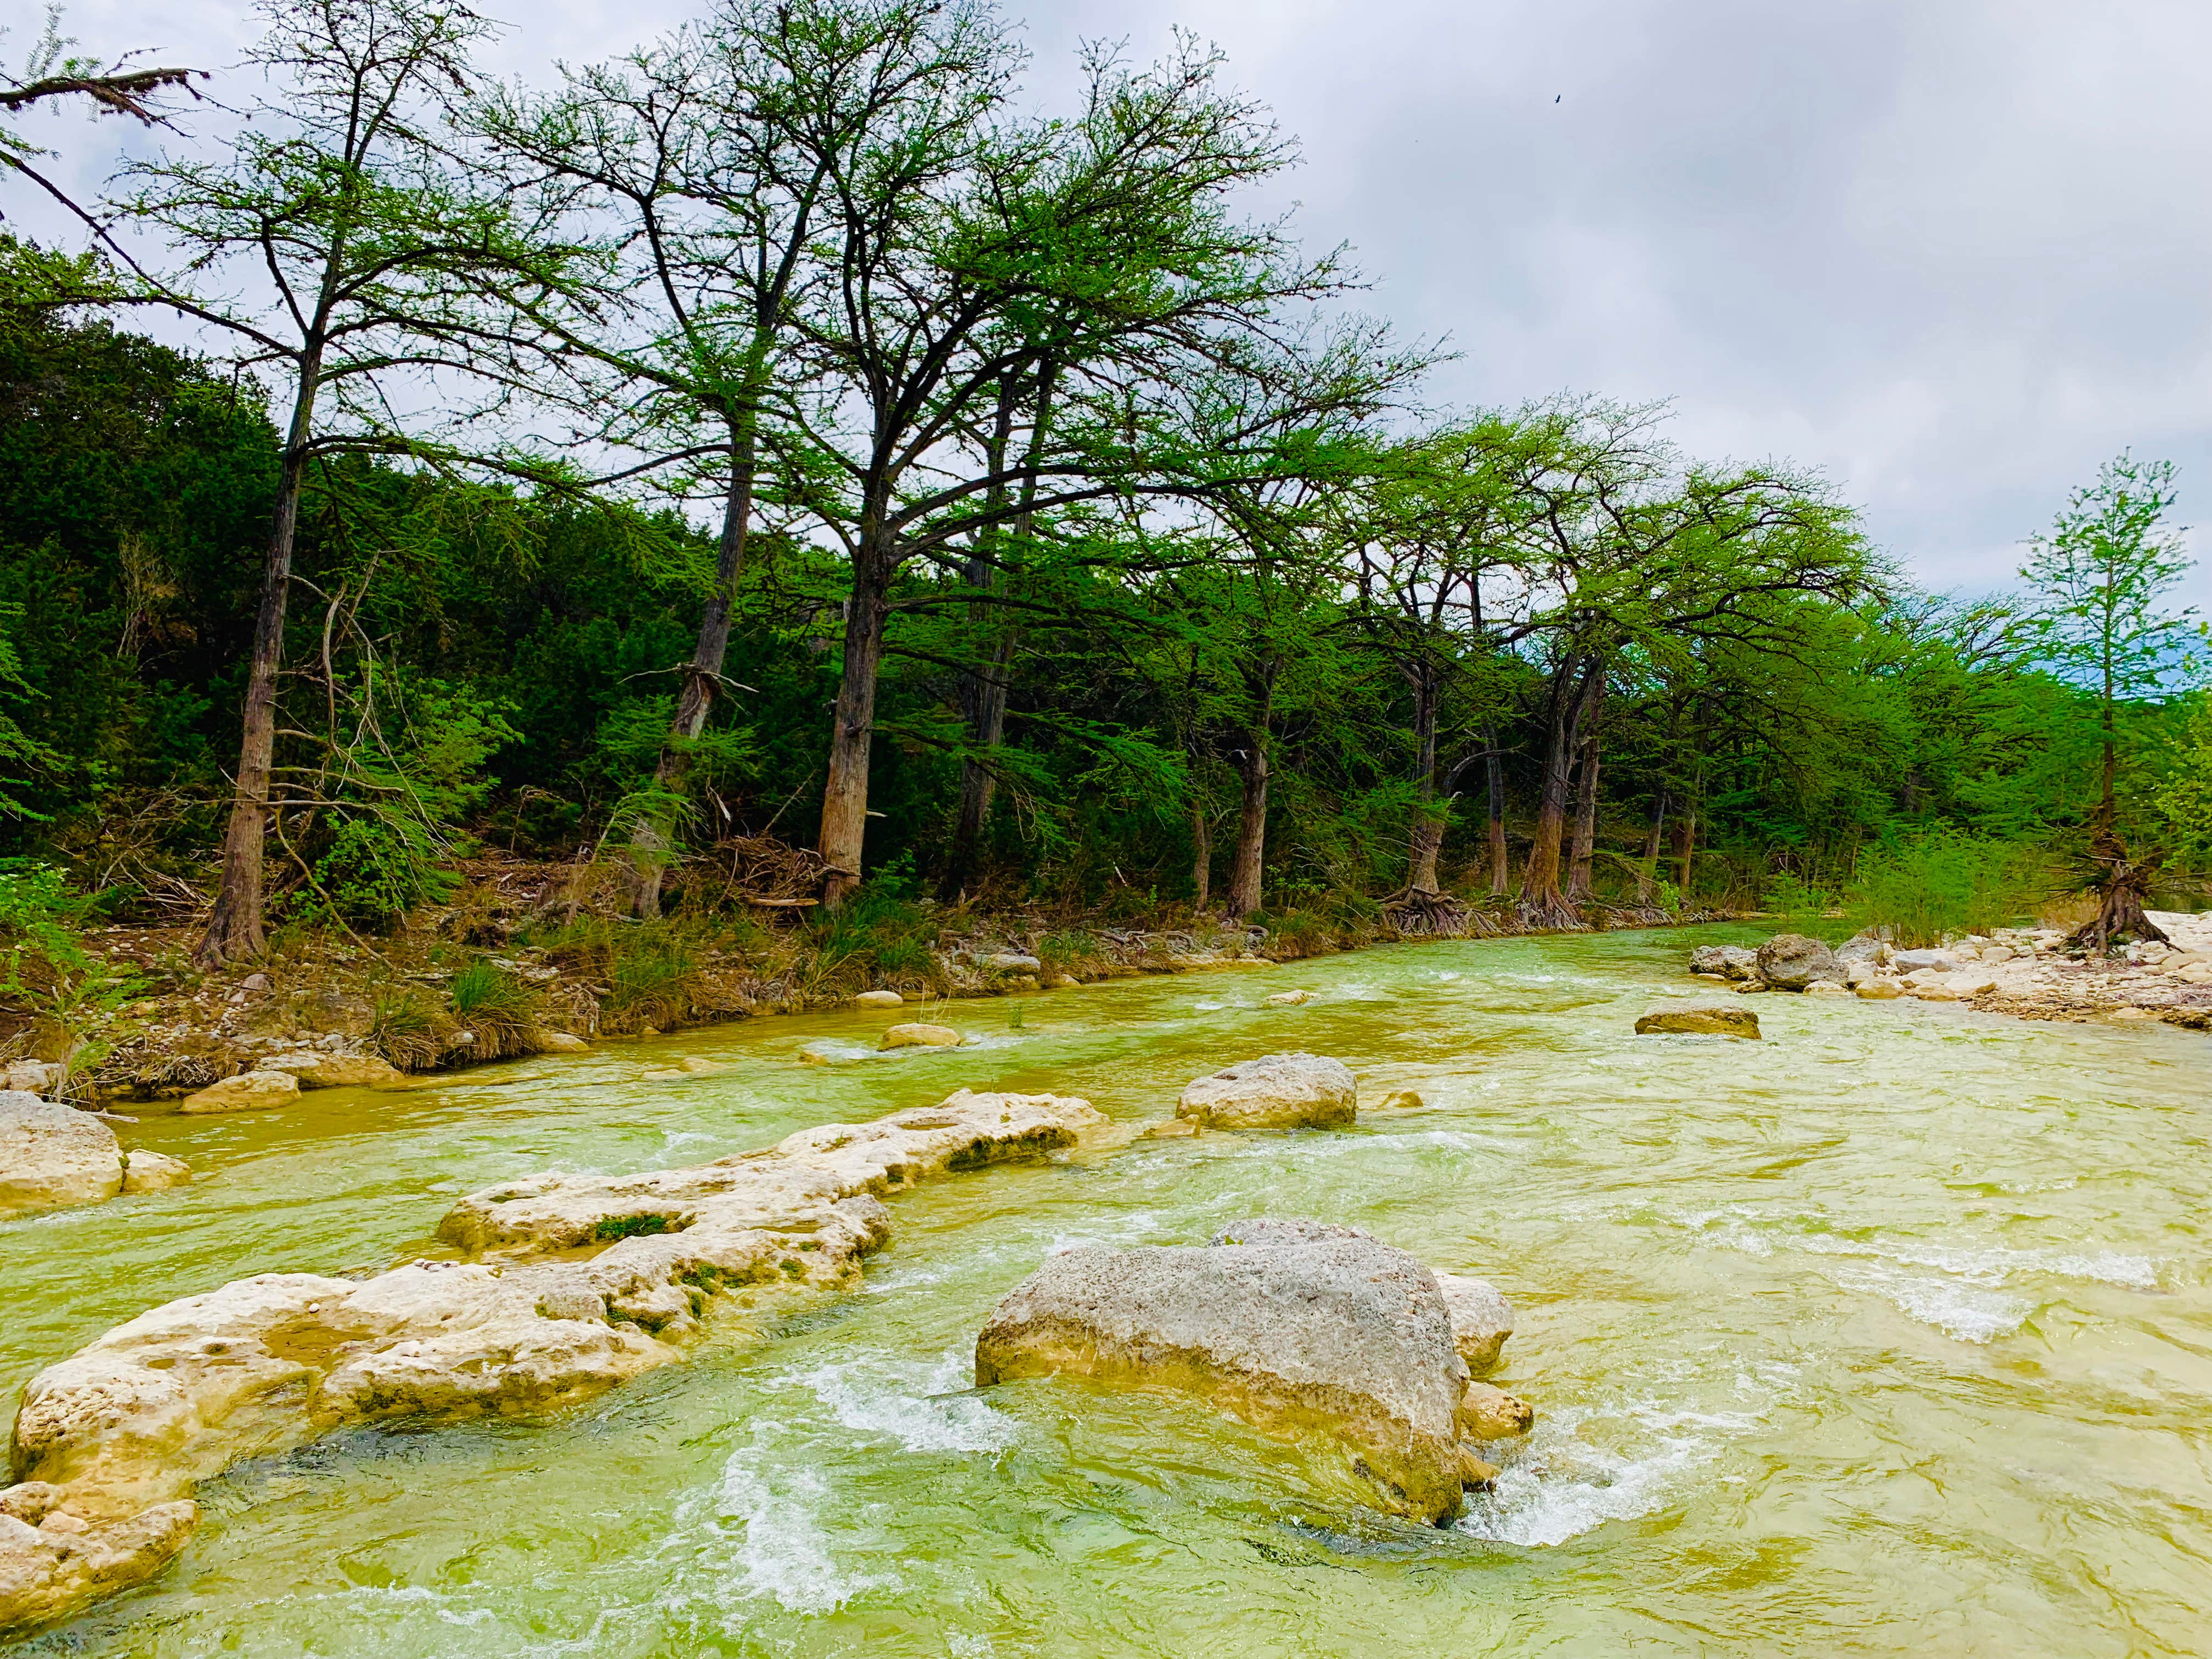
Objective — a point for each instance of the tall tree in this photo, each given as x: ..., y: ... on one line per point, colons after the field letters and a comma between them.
x: 363, y: 250
x: 955, y: 258
x: 2102, y: 579
x: 711, y: 161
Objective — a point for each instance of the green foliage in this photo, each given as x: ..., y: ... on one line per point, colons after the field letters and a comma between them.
x: 608, y: 1229
x: 1944, y: 881
x: 497, y: 1009
x: 2187, y: 795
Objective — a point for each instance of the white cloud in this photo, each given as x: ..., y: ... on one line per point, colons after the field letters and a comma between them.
x: 1953, y: 255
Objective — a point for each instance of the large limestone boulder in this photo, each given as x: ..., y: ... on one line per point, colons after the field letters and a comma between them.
x: 1275, y: 1091
x: 1867, y: 947
x: 317, y: 1070
x: 920, y: 1037
x: 1724, y: 960
x: 52, y: 1155
x: 1791, y: 962
x: 1330, y: 1334
x: 1700, y: 1020
x: 590, y: 1280
x: 244, y: 1092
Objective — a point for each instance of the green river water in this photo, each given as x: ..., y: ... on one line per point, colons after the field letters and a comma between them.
x: 1889, y: 1335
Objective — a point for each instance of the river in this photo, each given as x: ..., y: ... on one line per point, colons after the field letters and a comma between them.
x: 1890, y: 1334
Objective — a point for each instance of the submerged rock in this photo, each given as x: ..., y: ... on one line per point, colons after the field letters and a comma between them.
x: 1275, y: 1091
x: 1288, y: 999
x: 1300, y: 1328
x: 1705, y: 1019
x: 1403, y: 1100
x: 1879, y: 990
x: 244, y: 1092
x: 561, y: 1043
x: 1791, y: 962
x: 587, y: 1281
x: 52, y: 1156
x: 920, y: 1037
x: 154, y: 1172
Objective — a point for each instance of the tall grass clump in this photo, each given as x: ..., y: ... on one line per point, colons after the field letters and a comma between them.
x: 498, y: 1009
x: 879, y: 937
x: 407, y: 1030
x: 1947, y: 881
x: 652, y: 981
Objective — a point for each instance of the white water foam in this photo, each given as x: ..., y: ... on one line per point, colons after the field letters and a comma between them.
x: 767, y: 1526
x: 1956, y: 1309
x: 1558, y: 1487
x: 920, y: 1405
x: 1965, y: 1310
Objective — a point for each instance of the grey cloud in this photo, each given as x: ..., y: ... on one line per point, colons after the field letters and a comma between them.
x: 1954, y: 255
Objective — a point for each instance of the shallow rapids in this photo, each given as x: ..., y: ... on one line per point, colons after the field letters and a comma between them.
x: 1890, y: 1334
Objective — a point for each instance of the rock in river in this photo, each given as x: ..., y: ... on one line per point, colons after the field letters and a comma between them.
x: 154, y: 1172
x: 1708, y: 1020
x: 1481, y: 1320
x: 581, y: 1281
x: 317, y: 1070
x: 877, y: 999
x: 1726, y: 961
x: 1300, y: 1328
x: 244, y: 1092
x: 920, y: 1037
x: 52, y: 1155
x: 1791, y: 962
x: 1275, y: 1091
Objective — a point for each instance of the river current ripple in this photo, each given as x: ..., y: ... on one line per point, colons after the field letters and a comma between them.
x: 1888, y: 1335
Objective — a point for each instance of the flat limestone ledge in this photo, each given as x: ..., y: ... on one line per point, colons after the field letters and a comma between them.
x: 595, y: 1280
x: 1301, y: 1329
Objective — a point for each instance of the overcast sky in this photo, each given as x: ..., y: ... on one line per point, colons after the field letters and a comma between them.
x: 1954, y: 253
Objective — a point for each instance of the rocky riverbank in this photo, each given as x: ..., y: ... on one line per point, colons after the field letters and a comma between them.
x: 2030, y: 973
x: 571, y: 1286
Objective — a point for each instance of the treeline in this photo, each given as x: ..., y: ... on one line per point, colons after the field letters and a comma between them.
x: 774, y: 432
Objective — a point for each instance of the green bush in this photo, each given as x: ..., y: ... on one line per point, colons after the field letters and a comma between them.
x: 1947, y: 881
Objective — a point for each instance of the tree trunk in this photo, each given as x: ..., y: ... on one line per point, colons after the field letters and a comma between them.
x: 1428, y: 826
x: 2122, y: 885
x: 1251, y: 830
x: 1201, y: 858
x: 1494, y: 769
x: 985, y: 696
x: 1647, y: 872
x: 1580, y: 872
x: 234, y: 930
x: 650, y: 835
x: 1541, y: 904
x: 982, y: 691
x: 845, y: 798
x: 1686, y: 850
